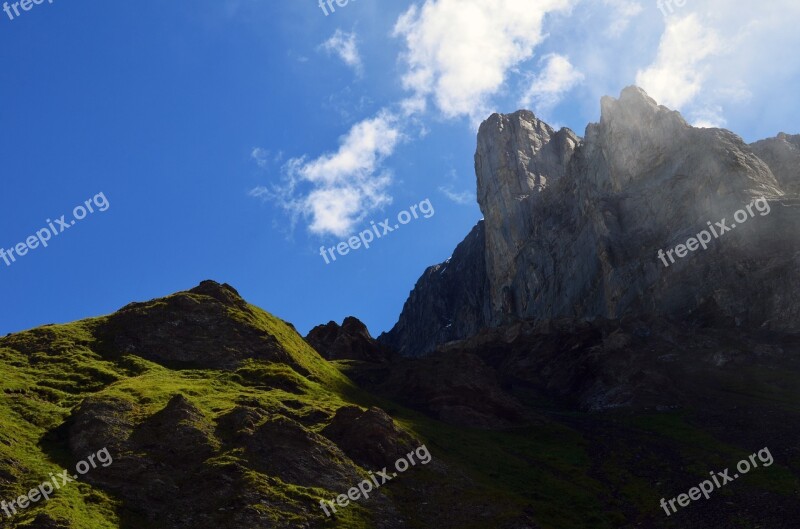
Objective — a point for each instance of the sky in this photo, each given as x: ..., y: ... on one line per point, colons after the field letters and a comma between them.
x: 234, y: 139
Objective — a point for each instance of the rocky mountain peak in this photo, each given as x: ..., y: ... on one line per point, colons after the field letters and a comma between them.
x: 634, y: 106
x: 516, y: 157
x: 209, y: 326
x: 573, y: 226
x: 349, y: 341
x: 224, y: 293
x: 782, y: 154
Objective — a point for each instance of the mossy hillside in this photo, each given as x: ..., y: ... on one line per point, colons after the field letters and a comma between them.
x: 60, y: 366
x: 50, y: 370
x: 39, y: 388
x: 553, y: 468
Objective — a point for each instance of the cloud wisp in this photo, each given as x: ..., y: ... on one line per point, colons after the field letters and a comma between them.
x: 344, y: 45
x: 336, y: 190
x: 558, y: 76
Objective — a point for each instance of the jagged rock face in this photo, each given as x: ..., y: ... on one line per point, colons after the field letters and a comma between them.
x: 573, y: 227
x: 518, y: 157
x: 350, y: 341
x: 449, y: 302
x: 782, y: 154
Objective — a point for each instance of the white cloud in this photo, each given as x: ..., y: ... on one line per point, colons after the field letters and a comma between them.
x: 678, y: 73
x: 260, y: 156
x: 463, y: 198
x: 713, y: 59
x: 709, y: 117
x: 344, y: 46
x: 555, y: 80
x: 337, y: 190
x: 622, y: 12
x: 459, y: 51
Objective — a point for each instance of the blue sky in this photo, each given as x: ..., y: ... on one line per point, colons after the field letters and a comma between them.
x: 234, y: 138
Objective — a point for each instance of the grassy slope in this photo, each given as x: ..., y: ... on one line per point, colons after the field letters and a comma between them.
x: 58, y: 368
x: 550, y: 466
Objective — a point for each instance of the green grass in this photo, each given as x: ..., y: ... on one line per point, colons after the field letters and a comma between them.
x: 51, y: 370
x: 549, y: 467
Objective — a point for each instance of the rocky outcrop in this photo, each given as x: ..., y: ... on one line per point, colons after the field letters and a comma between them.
x: 449, y: 302
x: 782, y: 154
x: 349, y: 341
x: 175, y: 470
x: 453, y: 386
x: 633, y: 363
x: 573, y: 228
x: 210, y: 326
x: 283, y: 448
x: 369, y: 437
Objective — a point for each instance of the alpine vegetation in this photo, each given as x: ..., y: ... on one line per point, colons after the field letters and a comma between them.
x: 720, y: 480
x: 48, y: 488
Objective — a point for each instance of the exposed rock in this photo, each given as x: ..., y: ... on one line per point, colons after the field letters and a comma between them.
x: 350, y: 341
x: 239, y: 423
x: 449, y: 302
x: 782, y: 154
x: 100, y: 423
x: 205, y: 327
x: 573, y: 227
x: 161, y: 466
x: 455, y: 387
x: 285, y: 449
x: 632, y: 363
x: 180, y: 430
x: 518, y: 158
x: 369, y: 437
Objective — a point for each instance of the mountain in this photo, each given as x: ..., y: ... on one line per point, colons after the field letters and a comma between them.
x: 210, y: 412
x: 215, y: 413
x: 349, y: 341
x: 573, y: 228
x: 554, y: 373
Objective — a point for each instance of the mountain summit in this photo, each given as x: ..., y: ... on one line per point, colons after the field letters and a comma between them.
x: 573, y: 228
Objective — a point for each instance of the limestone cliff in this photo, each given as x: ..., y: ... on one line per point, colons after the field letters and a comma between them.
x: 573, y: 227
